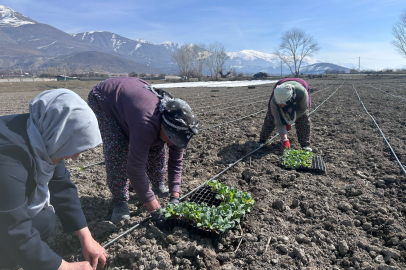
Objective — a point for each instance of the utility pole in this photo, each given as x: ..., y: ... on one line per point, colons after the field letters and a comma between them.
x: 359, y: 64
x: 281, y: 67
x: 150, y: 72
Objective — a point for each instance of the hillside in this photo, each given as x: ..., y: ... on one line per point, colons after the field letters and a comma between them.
x: 31, y: 45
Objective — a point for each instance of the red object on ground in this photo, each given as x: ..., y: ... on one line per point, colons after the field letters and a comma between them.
x: 287, y: 127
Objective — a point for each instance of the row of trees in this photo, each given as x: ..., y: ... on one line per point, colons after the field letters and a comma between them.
x: 194, y: 60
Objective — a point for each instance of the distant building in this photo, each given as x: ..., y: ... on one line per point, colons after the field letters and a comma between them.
x: 172, y: 78
x: 65, y: 78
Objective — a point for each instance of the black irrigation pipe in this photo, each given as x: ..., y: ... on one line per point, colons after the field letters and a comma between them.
x: 126, y: 232
x: 235, y: 120
x: 209, y: 95
x: 213, y: 178
x: 326, y: 98
x: 383, y: 135
x: 205, y: 106
x: 232, y: 101
x: 386, y: 92
x: 207, y: 90
x: 101, y: 162
x: 183, y: 197
x: 239, y: 94
x: 232, y: 107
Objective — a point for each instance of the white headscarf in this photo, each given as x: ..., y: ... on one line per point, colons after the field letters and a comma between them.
x: 60, y: 124
x: 283, y: 93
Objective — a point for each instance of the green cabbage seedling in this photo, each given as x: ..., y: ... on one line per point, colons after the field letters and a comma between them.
x: 296, y: 159
x: 235, y: 204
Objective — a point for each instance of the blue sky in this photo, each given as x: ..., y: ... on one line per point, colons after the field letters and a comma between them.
x: 345, y: 30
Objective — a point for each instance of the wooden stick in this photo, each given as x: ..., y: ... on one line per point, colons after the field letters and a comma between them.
x: 240, y: 239
x: 267, y: 244
x: 238, y: 245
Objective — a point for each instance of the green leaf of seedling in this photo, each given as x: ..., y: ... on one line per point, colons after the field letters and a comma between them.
x: 295, y: 159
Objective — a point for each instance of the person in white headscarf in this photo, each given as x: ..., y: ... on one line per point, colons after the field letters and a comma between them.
x: 289, y: 103
x: 35, y: 185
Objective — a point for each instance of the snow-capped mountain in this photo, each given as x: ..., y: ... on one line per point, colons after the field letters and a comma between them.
x: 323, y: 67
x: 138, y: 50
x: 25, y: 43
x: 251, y: 61
x: 9, y: 17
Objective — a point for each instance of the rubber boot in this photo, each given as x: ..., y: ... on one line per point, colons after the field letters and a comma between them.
x: 120, y: 212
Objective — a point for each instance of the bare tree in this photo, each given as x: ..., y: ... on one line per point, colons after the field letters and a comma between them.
x: 233, y: 72
x: 399, y: 32
x: 198, y: 60
x: 224, y: 75
x: 193, y: 59
x: 296, y: 45
x: 216, y: 58
x: 183, y: 59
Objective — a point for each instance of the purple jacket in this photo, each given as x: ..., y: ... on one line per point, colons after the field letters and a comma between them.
x: 136, y: 109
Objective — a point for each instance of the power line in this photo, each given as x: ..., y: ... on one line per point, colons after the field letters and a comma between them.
x: 378, y: 59
x: 340, y: 59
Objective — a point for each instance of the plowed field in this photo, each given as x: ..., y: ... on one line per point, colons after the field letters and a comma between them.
x: 352, y: 217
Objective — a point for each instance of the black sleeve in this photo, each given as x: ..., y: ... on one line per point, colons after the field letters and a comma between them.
x: 65, y: 200
x: 18, y: 239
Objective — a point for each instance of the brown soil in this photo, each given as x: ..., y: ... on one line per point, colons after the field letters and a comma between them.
x: 352, y: 217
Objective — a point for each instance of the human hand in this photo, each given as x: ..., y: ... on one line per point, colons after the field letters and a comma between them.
x: 285, y: 144
x: 288, y: 127
x: 159, y: 219
x: 91, y: 250
x: 94, y: 253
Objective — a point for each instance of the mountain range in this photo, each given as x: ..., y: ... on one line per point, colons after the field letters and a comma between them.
x: 30, y: 45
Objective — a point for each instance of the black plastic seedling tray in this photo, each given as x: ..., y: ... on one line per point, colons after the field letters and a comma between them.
x: 202, y: 195
x: 173, y: 222
x: 317, y: 166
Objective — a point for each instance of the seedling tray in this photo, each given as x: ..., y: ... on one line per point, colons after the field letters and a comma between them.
x: 173, y: 222
x: 302, y: 160
x: 204, y: 195
x: 317, y: 166
x: 209, y: 211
